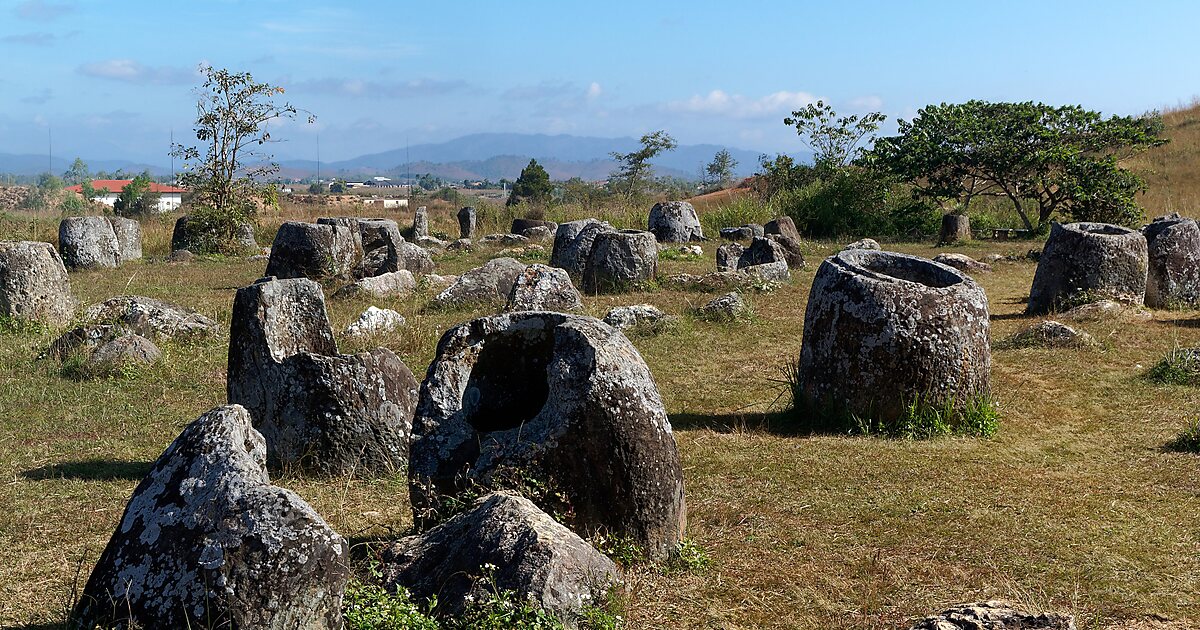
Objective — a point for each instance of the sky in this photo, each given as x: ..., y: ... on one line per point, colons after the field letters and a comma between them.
x: 114, y: 79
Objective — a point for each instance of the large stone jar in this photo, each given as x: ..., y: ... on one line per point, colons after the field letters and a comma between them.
x: 620, y: 261
x: 883, y: 330
x: 562, y: 407
x: 1173, y: 246
x: 1087, y: 262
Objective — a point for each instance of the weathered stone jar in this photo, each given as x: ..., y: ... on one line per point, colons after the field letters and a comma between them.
x: 559, y: 404
x: 1087, y: 262
x: 1173, y: 246
x: 884, y: 329
x: 620, y: 261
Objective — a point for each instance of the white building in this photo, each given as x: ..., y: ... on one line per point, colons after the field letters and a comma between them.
x: 170, y: 197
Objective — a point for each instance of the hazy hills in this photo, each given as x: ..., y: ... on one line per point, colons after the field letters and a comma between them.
x: 478, y: 156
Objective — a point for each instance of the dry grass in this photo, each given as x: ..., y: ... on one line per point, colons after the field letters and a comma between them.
x: 1170, y: 170
x: 1074, y: 505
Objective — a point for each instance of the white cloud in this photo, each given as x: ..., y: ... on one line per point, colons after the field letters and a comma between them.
x: 721, y: 103
x: 130, y: 71
x: 870, y: 103
x: 378, y: 89
x: 593, y: 91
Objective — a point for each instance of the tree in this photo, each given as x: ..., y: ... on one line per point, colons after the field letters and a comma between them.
x: 633, y: 175
x: 232, y: 112
x: 719, y: 172
x: 136, y: 199
x: 533, y: 185
x: 337, y: 187
x: 834, y: 141
x: 1064, y: 159
x: 77, y: 174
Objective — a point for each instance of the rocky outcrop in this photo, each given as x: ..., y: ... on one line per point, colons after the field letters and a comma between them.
x: 675, y: 222
x: 124, y: 351
x: 994, y: 615
x: 206, y: 541
x: 726, y: 308
x: 556, y: 402
x: 501, y: 543
x: 1173, y: 248
x: 573, y: 242
x: 381, y: 247
x: 544, y: 288
x: 1086, y: 262
x: 466, y: 222
x: 620, y: 261
x: 152, y: 318
x: 88, y: 243
x: 884, y: 329
x: 321, y: 412
x: 490, y: 284
x: 315, y: 251
x: 34, y: 284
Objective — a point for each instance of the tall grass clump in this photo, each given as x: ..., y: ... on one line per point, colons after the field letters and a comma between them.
x: 1180, y: 366
x: 1188, y: 441
x: 738, y: 211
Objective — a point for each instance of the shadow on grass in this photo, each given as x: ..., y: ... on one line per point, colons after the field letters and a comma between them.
x: 775, y: 423
x: 1180, y: 322
x: 91, y: 470
x: 36, y: 626
x: 1009, y: 316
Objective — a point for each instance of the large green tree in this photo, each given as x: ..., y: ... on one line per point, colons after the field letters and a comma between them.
x: 634, y: 174
x: 136, y: 199
x: 532, y: 186
x: 1043, y: 159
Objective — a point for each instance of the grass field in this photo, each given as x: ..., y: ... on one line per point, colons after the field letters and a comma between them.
x: 1074, y: 505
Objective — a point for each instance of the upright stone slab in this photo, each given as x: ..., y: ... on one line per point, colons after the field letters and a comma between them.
x: 883, y: 330
x: 563, y: 400
x: 675, y: 222
x: 1088, y: 262
x: 534, y: 557
x: 88, y: 243
x: 620, y: 261
x: 321, y: 412
x: 783, y: 226
x: 573, y: 242
x: 1173, y: 247
x: 314, y: 250
x: 956, y: 228
x: 466, y: 222
x: 420, y: 226
x: 129, y: 237
x: 206, y: 541
x: 34, y: 284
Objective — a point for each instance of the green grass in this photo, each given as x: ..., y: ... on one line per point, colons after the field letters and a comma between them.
x: 1075, y: 505
x: 1188, y: 440
x: 1180, y: 366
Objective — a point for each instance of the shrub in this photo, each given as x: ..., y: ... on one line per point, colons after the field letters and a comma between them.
x: 1181, y: 366
x: 855, y: 202
x: 370, y: 607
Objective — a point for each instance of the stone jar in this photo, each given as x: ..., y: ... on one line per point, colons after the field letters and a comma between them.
x: 1087, y: 262
x: 1173, y: 247
x: 882, y: 329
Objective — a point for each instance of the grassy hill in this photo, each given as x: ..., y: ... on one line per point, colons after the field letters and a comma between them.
x: 1172, y: 171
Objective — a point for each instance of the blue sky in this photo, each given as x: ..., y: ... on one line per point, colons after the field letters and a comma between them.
x: 111, y: 79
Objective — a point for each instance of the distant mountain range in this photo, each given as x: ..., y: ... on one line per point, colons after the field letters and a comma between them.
x: 475, y: 157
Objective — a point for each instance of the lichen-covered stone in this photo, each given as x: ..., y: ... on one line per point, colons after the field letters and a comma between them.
x: 883, y: 329
x: 314, y: 250
x: 620, y: 261
x: 728, y: 255
x: 519, y: 226
x: 88, y: 243
x: 962, y: 262
x: 793, y: 252
x: 675, y: 222
x: 534, y: 557
x: 420, y: 227
x: 726, y: 308
x: 206, y: 541
x: 573, y: 242
x: 1049, y: 334
x: 383, y: 249
x: 129, y: 237
x: 151, y: 318
x: 762, y: 251
x: 539, y: 234
x: 505, y: 240
x: 1173, y: 248
x: 321, y: 412
x: 374, y: 321
x: 489, y: 284
x: 116, y: 354
x: 544, y: 288
x: 81, y: 340
x: 994, y: 615
x: 387, y: 285
x: 743, y: 233
x: 466, y: 222
x: 563, y: 400
x: 626, y: 317
x: 783, y: 226
x: 754, y: 275
x: 34, y: 284
x: 864, y: 243
x: 1085, y: 262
